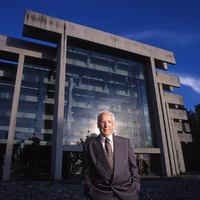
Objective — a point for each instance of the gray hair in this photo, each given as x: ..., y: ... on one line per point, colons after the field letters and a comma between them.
x: 105, y: 111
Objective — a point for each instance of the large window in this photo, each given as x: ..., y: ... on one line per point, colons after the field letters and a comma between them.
x: 96, y: 82
x: 35, y: 113
x: 7, y: 81
x: 34, y: 127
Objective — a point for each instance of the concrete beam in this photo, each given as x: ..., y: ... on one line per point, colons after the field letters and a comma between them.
x: 182, y: 127
x: 168, y: 79
x: 38, y: 20
x: 185, y: 137
x: 173, y: 98
x: 41, y: 26
x: 12, y: 45
x: 178, y: 114
x: 147, y: 150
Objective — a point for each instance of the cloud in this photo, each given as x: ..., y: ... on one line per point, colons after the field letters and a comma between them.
x: 174, y: 37
x: 191, y: 82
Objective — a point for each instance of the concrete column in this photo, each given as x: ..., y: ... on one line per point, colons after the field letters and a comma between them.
x: 181, y: 163
x: 158, y: 119
x: 173, y: 140
x: 58, y: 125
x: 13, y: 118
x: 167, y: 123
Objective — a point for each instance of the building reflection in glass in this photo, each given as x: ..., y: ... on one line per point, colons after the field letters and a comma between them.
x: 34, y: 126
x: 7, y: 81
x: 96, y: 82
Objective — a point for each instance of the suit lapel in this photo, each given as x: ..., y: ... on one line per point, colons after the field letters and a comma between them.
x: 118, y: 154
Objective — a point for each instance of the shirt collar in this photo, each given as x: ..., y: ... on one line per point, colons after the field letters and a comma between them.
x: 110, y: 137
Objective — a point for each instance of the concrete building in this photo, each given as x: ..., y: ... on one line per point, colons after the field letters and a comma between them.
x: 53, y: 86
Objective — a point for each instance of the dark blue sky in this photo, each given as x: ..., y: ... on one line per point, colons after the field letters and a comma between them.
x: 172, y: 24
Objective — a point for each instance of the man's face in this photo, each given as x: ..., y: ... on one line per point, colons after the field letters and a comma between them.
x: 106, y: 124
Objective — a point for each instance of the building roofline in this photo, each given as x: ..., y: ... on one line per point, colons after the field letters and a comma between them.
x: 40, y: 26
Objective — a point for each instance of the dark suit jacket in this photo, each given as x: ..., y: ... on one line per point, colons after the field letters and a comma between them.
x: 99, y: 182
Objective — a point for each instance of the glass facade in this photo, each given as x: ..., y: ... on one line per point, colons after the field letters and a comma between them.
x: 35, y: 112
x: 32, y: 153
x: 94, y: 82
x: 97, y: 82
x: 7, y: 83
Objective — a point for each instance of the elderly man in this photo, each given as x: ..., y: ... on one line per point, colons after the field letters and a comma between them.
x: 110, y: 171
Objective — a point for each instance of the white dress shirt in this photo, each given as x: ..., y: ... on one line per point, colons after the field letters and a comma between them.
x: 110, y: 137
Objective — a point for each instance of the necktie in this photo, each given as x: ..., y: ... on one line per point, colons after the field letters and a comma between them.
x: 109, y: 153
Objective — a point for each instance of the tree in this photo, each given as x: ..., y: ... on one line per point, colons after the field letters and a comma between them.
x: 194, y: 119
x: 194, y: 147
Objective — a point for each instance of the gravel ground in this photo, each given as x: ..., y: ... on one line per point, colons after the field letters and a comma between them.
x: 179, y: 188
